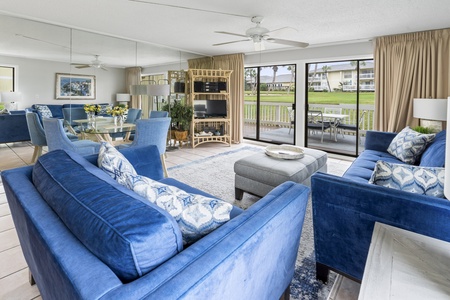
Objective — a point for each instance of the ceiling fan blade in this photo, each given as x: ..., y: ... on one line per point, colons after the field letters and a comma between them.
x: 287, y: 42
x: 231, y: 42
x: 82, y: 66
x: 103, y: 68
x: 230, y: 33
x: 282, y: 28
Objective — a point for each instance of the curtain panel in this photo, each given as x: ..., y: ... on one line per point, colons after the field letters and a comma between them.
x: 233, y: 62
x: 408, y: 66
x: 133, y: 77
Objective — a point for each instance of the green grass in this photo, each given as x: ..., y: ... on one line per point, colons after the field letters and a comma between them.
x: 317, y: 97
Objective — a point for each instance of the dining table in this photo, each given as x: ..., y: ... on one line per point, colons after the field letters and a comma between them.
x: 102, y: 128
x: 334, y: 120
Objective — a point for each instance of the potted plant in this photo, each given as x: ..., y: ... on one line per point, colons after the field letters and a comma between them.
x: 181, y: 115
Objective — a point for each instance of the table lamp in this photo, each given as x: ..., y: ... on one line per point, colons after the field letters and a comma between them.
x: 430, y: 109
x: 447, y: 156
x: 11, y: 99
x: 123, y: 98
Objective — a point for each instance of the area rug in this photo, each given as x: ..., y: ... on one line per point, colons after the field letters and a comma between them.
x: 215, y: 175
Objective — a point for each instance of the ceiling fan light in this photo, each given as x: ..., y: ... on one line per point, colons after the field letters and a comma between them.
x: 259, y: 46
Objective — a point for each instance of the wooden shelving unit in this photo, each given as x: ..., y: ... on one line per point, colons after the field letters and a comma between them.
x: 220, y: 125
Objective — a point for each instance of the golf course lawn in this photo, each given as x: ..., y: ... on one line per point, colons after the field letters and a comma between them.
x: 316, y: 97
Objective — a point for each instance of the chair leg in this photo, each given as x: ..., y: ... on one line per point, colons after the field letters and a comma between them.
x: 31, y: 278
x: 163, y: 161
x: 36, y: 153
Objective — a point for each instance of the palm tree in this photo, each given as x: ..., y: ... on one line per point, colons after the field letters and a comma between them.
x: 251, y: 72
x: 312, y: 78
x: 325, y: 70
x: 275, y: 70
x: 292, y: 69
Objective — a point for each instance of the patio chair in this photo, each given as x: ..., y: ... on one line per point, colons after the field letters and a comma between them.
x: 57, y: 139
x: 353, y: 127
x: 316, y: 122
x: 291, y: 113
x: 152, y: 132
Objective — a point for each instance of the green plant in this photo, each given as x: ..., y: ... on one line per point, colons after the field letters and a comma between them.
x: 180, y: 113
x: 425, y: 130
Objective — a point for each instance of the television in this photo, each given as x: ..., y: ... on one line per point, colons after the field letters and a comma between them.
x: 216, y: 108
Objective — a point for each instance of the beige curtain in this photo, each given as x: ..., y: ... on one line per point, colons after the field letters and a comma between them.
x: 409, y: 66
x: 233, y: 62
x: 133, y: 76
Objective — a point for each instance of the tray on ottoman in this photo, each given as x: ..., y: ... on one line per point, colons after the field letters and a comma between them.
x: 258, y: 174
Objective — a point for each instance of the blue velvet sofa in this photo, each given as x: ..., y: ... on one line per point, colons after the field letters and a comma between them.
x: 13, y: 127
x: 62, y: 204
x: 346, y: 208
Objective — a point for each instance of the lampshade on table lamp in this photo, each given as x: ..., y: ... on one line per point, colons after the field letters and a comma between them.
x: 123, y: 98
x: 11, y: 99
x: 447, y: 156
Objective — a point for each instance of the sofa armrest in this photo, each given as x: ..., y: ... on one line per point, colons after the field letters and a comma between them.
x: 250, y: 257
x: 378, y: 140
x: 344, y: 213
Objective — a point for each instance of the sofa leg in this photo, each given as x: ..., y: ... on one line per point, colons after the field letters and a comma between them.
x: 322, y: 272
x: 238, y: 194
x: 31, y: 278
x: 286, y: 294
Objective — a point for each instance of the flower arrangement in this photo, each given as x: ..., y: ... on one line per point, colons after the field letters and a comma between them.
x: 92, y: 108
x: 118, y: 110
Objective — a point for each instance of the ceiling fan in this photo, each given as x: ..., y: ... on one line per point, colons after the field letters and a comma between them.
x: 96, y: 63
x: 260, y: 34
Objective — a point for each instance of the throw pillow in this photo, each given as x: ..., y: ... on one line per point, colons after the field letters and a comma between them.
x: 408, y: 145
x: 114, y: 163
x: 434, y: 155
x: 44, y: 111
x: 415, y: 179
x: 196, y: 215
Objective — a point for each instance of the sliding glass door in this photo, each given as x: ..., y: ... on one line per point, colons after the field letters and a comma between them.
x: 340, y: 100
x: 269, y: 104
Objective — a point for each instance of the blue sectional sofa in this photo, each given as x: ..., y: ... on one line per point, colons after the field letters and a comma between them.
x: 85, y: 236
x: 13, y: 127
x: 346, y: 208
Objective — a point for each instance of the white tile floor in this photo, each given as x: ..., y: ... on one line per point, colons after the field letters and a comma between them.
x: 13, y: 269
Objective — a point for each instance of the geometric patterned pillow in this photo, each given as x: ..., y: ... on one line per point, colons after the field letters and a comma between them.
x: 196, y: 215
x: 44, y: 111
x: 408, y: 145
x: 415, y: 179
x: 114, y: 163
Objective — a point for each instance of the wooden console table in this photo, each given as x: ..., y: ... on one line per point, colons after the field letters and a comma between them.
x: 405, y: 265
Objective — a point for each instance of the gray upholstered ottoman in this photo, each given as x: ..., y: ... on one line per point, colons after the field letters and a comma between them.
x: 258, y: 174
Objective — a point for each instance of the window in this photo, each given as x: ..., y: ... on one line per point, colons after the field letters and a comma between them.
x: 7, y: 79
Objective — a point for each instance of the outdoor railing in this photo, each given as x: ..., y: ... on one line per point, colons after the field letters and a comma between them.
x: 277, y: 115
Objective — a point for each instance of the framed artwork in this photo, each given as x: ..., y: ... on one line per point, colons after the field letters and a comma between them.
x: 75, y: 87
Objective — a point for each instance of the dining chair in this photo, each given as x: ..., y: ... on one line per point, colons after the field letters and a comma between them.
x: 133, y: 115
x: 158, y: 114
x: 316, y: 122
x: 73, y: 113
x: 152, y: 132
x: 354, y: 127
x: 37, y: 134
x: 57, y: 139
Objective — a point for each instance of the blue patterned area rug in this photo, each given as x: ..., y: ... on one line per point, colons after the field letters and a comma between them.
x: 215, y: 175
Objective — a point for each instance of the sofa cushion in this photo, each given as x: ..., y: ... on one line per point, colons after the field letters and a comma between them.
x: 414, y: 179
x: 114, y: 164
x: 434, y: 155
x: 129, y: 234
x: 196, y: 215
x: 408, y: 145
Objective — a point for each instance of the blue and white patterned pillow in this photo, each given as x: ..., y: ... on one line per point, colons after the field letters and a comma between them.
x: 415, y: 179
x: 196, y: 215
x: 44, y: 111
x: 408, y: 145
x: 114, y: 163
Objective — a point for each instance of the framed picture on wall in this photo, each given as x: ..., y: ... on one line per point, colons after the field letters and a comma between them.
x: 75, y: 87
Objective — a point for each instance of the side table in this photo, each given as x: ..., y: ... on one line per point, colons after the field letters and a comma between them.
x: 405, y: 265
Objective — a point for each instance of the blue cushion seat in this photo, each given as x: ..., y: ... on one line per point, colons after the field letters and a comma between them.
x: 432, y: 156
x: 140, y: 236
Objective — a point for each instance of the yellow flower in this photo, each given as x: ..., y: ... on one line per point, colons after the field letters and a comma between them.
x: 92, y: 108
x: 118, y: 110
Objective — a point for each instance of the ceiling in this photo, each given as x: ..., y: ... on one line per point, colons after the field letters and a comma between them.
x: 167, y: 32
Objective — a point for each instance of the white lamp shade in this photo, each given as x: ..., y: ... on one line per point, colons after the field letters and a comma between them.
x: 11, y: 97
x: 430, y: 109
x: 122, y: 97
x: 159, y: 90
x: 447, y: 157
x: 138, y: 89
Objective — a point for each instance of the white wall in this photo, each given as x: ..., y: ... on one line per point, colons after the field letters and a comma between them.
x: 36, y: 79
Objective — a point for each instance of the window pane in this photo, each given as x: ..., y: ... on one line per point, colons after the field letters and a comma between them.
x: 6, y: 79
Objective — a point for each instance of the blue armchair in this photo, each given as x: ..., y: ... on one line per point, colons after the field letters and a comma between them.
x: 37, y: 134
x: 57, y: 139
